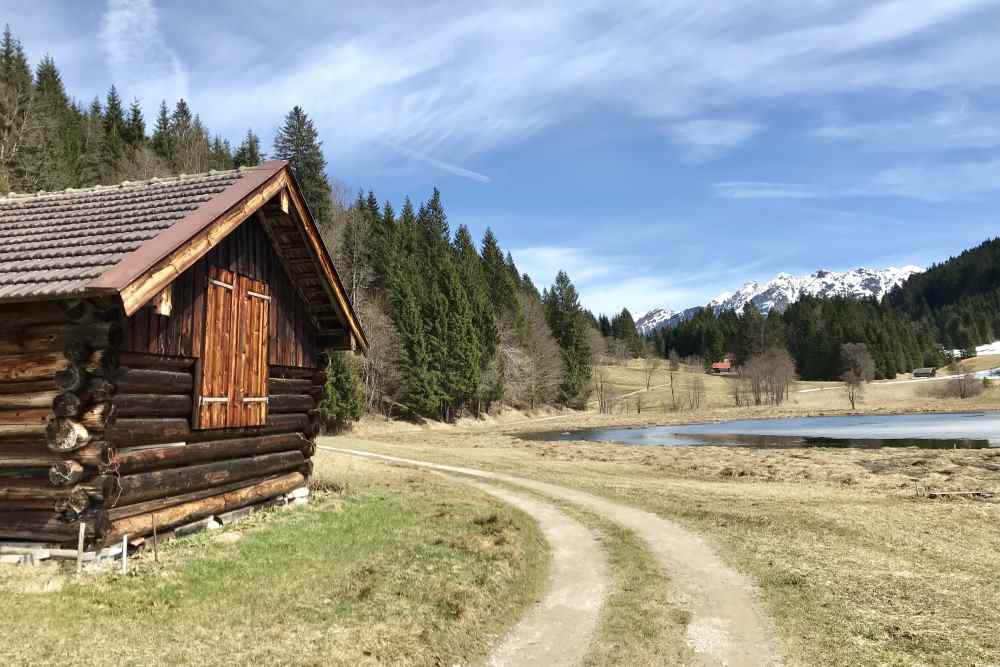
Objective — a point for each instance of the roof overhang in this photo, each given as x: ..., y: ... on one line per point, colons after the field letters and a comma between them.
x: 146, y: 271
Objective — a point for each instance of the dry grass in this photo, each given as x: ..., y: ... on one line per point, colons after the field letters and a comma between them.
x: 854, y: 568
x: 389, y: 567
x: 973, y: 364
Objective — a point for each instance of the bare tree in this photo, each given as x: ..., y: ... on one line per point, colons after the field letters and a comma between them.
x: 603, y: 391
x: 650, y: 364
x: 529, y: 364
x: 675, y: 360
x: 379, y: 367
x: 696, y: 392
x: 765, y: 378
x: 859, y: 368
x: 966, y: 385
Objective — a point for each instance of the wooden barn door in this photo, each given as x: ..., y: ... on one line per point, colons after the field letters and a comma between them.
x: 250, y: 400
x: 233, y: 389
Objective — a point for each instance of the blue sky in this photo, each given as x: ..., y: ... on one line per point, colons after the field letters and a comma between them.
x: 660, y: 152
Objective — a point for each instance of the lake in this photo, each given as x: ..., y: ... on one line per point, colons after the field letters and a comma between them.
x: 965, y: 430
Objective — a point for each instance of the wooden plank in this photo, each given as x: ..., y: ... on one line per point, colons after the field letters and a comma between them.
x: 143, y: 288
x: 155, y: 361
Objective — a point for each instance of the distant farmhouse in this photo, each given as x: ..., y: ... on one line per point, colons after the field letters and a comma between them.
x: 162, y: 352
x: 725, y: 366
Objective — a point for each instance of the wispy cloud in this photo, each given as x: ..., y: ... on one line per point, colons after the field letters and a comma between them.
x: 931, y: 182
x: 488, y: 78
x: 706, y: 139
x: 138, y: 56
x: 772, y: 190
x: 940, y: 182
x: 608, y: 281
x: 440, y: 164
x: 955, y: 126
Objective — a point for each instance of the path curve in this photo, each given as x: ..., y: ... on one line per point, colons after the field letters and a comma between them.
x: 727, y: 626
x: 558, y: 630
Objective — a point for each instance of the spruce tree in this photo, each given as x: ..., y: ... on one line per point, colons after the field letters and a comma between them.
x: 15, y: 109
x: 344, y: 396
x: 114, y: 133
x: 162, y: 141
x: 135, y: 126
x: 248, y: 154
x: 503, y: 290
x: 53, y: 142
x: 565, y: 318
x: 90, y: 169
x: 298, y: 142
x: 469, y: 266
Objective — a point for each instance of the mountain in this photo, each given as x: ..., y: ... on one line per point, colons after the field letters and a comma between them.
x: 785, y: 289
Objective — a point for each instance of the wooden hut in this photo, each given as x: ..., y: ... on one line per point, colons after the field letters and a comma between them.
x: 161, y: 351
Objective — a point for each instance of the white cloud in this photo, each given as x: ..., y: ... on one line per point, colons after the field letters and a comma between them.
x: 954, y: 126
x: 770, y: 190
x: 141, y: 62
x: 940, y: 182
x: 440, y: 164
x: 608, y: 282
x: 485, y: 79
x: 705, y: 139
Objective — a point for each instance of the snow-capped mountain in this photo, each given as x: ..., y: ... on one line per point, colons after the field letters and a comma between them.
x: 785, y: 289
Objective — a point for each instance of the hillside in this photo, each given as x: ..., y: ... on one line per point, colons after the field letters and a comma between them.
x: 958, y: 298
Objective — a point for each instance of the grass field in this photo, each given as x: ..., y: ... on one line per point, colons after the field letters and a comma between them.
x: 405, y: 568
x: 854, y: 568
x: 629, y: 386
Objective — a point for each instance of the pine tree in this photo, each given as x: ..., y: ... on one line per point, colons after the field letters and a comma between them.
x: 248, y: 154
x: 162, y: 140
x: 53, y: 140
x: 113, y: 124
x: 134, y: 133
x: 344, y: 396
x: 298, y: 142
x: 16, y: 96
x: 565, y: 318
x: 470, y: 273
x: 90, y: 169
x: 503, y: 291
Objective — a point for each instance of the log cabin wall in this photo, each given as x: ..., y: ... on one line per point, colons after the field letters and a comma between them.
x: 95, y: 411
x: 54, y: 361
x: 248, y: 252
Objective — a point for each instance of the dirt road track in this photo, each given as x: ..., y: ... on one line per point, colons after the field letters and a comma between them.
x: 727, y: 625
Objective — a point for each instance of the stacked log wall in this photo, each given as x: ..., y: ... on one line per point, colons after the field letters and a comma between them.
x: 166, y: 474
x: 55, y: 358
x: 93, y: 433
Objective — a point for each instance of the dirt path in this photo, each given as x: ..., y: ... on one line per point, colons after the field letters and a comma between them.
x: 727, y: 625
x: 557, y: 630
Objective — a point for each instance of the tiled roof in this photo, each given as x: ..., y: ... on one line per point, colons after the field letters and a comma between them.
x: 54, y: 244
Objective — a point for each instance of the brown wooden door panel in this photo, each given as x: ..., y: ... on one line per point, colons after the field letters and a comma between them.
x: 216, y: 362
x: 233, y: 390
x: 250, y: 403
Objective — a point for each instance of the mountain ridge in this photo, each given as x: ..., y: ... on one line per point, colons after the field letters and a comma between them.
x: 784, y: 289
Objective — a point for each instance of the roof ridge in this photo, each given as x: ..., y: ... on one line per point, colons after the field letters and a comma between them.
x: 100, y: 187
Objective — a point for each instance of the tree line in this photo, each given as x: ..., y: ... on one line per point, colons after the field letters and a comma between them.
x: 454, y: 326
x: 49, y: 141
x: 813, y: 331
x: 958, y: 299
x: 953, y: 305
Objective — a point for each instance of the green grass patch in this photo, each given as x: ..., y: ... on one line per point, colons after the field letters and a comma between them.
x: 405, y: 569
